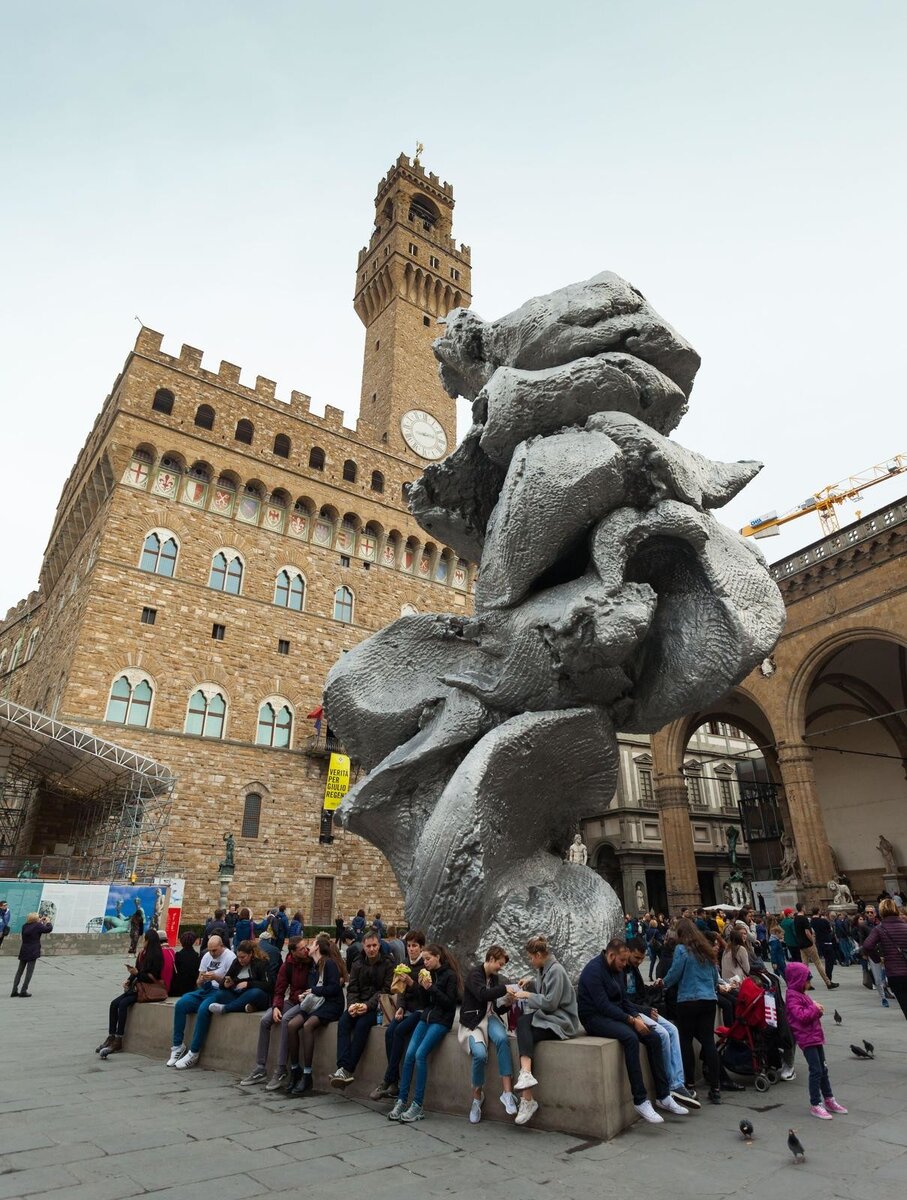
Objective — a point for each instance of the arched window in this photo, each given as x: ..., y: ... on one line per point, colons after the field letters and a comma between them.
x: 206, y: 713
x: 14, y: 657
x: 349, y: 471
x: 377, y: 481
x: 32, y: 642
x: 159, y: 551
x: 226, y: 572
x: 204, y: 416
x: 282, y: 446
x: 244, y: 431
x: 275, y: 724
x: 289, y: 590
x: 343, y: 605
x: 130, y: 701
x: 162, y: 402
x: 316, y: 458
x: 251, y: 816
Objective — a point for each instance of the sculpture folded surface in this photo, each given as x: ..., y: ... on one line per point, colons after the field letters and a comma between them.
x: 608, y: 597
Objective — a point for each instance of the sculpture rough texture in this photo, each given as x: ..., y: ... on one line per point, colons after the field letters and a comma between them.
x: 608, y: 598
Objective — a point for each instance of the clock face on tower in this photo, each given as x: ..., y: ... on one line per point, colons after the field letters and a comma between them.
x: 423, y: 434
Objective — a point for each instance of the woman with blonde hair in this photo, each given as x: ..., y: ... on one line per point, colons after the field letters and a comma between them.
x: 549, y: 1001
x: 29, y: 952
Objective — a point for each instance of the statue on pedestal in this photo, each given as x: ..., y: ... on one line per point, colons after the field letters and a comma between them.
x: 577, y: 853
x: 841, y: 896
x: 228, y: 866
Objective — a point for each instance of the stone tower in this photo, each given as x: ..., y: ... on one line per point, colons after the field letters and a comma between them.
x: 410, y: 274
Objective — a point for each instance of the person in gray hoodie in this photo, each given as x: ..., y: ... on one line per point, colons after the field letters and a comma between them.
x: 549, y: 999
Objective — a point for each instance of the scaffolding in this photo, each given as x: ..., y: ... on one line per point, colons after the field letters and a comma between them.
x: 120, y: 801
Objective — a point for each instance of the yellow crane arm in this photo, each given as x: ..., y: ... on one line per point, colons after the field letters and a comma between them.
x: 769, y: 524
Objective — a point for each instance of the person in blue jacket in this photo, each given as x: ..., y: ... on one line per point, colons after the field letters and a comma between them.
x: 695, y: 973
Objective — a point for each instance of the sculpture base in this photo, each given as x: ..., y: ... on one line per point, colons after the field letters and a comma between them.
x: 895, y: 883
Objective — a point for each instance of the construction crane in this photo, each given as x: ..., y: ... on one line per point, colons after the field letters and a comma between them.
x: 824, y: 501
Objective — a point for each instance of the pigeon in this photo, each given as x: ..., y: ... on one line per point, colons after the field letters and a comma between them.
x: 869, y: 1048
x: 104, y: 1052
x: 838, y: 1017
x: 795, y: 1146
x: 746, y: 1128
x: 859, y: 1052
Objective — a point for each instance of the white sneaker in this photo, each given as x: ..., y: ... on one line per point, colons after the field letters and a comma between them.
x: 787, y: 1073
x: 647, y: 1112
x: 669, y: 1104
x: 526, y: 1080
x: 189, y: 1059
x: 475, y: 1112
x: 176, y: 1053
x: 528, y: 1109
x: 217, y: 1009
x: 509, y: 1101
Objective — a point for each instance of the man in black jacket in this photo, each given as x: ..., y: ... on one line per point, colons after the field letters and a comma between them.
x: 605, y: 1011
x: 371, y: 975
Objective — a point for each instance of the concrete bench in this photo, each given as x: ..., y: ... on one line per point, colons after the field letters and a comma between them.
x: 583, y: 1088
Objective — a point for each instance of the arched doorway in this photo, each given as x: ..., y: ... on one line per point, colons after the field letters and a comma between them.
x: 855, y: 724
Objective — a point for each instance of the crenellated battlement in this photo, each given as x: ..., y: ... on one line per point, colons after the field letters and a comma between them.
x: 189, y: 360
x: 414, y: 168
x: 24, y: 608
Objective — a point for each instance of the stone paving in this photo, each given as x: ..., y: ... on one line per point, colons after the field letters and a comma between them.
x: 74, y: 1128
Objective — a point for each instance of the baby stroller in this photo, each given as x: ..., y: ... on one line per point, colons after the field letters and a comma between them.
x: 751, y: 1046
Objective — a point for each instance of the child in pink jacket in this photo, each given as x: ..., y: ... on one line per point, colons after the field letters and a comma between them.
x: 805, y: 1019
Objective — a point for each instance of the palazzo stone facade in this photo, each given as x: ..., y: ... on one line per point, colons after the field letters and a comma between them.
x: 216, y: 549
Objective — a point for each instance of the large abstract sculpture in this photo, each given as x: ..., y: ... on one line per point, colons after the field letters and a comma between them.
x: 608, y: 597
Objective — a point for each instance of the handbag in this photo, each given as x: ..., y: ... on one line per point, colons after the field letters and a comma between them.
x: 150, y: 991
x: 310, y: 1003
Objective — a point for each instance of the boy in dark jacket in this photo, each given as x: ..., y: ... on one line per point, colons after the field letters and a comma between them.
x: 370, y: 976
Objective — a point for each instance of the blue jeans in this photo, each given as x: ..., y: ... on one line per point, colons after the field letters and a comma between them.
x: 396, y: 1039
x: 819, y: 1083
x: 234, y: 1001
x: 497, y: 1035
x: 669, y: 1036
x: 195, y: 1002
x: 425, y: 1038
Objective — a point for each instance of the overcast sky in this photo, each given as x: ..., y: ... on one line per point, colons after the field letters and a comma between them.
x: 210, y: 167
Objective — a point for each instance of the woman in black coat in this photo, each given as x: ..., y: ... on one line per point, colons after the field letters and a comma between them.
x: 186, y: 964
x: 29, y: 952
x: 149, y: 968
x: 439, y: 987
x: 327, y: 975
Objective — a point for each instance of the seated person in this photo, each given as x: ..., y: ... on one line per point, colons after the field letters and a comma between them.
x: 151, y: 966
x: 247, y: 986
x: 320, y: 1004
x: 186, y: 964
x: 668, y: 1033
x: 370, y: 976
x: 216, y: 961
x: 550, y: 1014
x: 735, y: 959
x: 292, y: 981
x: 439, y: 983
x: 605, y: 1011
x: 406, y: 1018
x: 486, y: 996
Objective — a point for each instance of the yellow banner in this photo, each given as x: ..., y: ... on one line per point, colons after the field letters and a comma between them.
x: 338, y: 781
